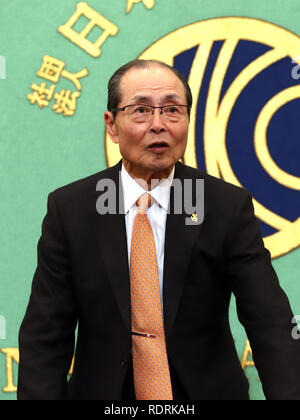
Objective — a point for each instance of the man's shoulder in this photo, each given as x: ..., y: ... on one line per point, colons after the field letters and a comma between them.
x: 213, y: 185
x: 89, y: 181
x: 86, y: 187
x: 221, y: 198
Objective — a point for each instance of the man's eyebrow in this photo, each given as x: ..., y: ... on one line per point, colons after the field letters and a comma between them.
x: 172, y: 97
x: 147, y: 99
x: 140, y: 98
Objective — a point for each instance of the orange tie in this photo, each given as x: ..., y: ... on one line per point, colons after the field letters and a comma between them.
x: 150, y: 362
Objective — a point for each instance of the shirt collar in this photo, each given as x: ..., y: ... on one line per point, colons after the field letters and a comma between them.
x: 132, y: 190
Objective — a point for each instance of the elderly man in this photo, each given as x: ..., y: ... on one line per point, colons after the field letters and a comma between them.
x: 150, y: 292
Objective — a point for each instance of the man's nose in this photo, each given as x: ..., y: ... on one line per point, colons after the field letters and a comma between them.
x: 157, y: 122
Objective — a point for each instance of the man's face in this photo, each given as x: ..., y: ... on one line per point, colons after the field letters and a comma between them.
x: 150, y: 148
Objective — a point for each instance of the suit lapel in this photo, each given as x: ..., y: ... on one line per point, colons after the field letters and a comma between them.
x: 179, y: 241
x: 112, y: 240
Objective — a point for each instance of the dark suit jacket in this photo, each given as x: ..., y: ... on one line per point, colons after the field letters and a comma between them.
x: 82, y: 276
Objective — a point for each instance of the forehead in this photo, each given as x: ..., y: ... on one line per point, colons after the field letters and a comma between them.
x: 153, y: 83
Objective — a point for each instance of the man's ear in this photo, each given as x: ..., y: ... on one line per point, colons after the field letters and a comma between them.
x: 111, y: 126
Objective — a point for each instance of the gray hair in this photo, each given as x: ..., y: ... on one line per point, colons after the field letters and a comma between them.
x: 114, y: 94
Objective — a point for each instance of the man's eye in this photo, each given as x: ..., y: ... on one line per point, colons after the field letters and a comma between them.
x: 172, y: 109
x: 141, y: 110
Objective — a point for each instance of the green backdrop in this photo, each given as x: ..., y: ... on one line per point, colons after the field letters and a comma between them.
x: 41, y: 150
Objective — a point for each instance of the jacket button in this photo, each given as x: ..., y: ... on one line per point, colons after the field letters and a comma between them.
x: 123, y: 363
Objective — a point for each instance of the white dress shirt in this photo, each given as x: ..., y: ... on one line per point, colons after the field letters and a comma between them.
x: 157, y: 214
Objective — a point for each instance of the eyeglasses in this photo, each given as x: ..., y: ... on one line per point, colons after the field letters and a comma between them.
x: 143, y: 113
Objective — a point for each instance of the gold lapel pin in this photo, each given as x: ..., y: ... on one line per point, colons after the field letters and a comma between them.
x: 194, y: 217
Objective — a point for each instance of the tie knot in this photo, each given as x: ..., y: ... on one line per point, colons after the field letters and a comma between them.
x: 143, y: 203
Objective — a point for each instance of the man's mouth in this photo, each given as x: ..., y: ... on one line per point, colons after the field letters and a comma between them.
x: 158, y: 147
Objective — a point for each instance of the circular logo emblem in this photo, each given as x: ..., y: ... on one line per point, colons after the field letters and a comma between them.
x: 245, y: 79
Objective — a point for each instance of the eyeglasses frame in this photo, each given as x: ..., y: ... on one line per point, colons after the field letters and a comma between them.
x: 115, y: 110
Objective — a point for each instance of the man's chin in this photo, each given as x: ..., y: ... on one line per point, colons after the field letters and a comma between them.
x: 161, y: 167
x: 160, y: 163
x: 151, y: 168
